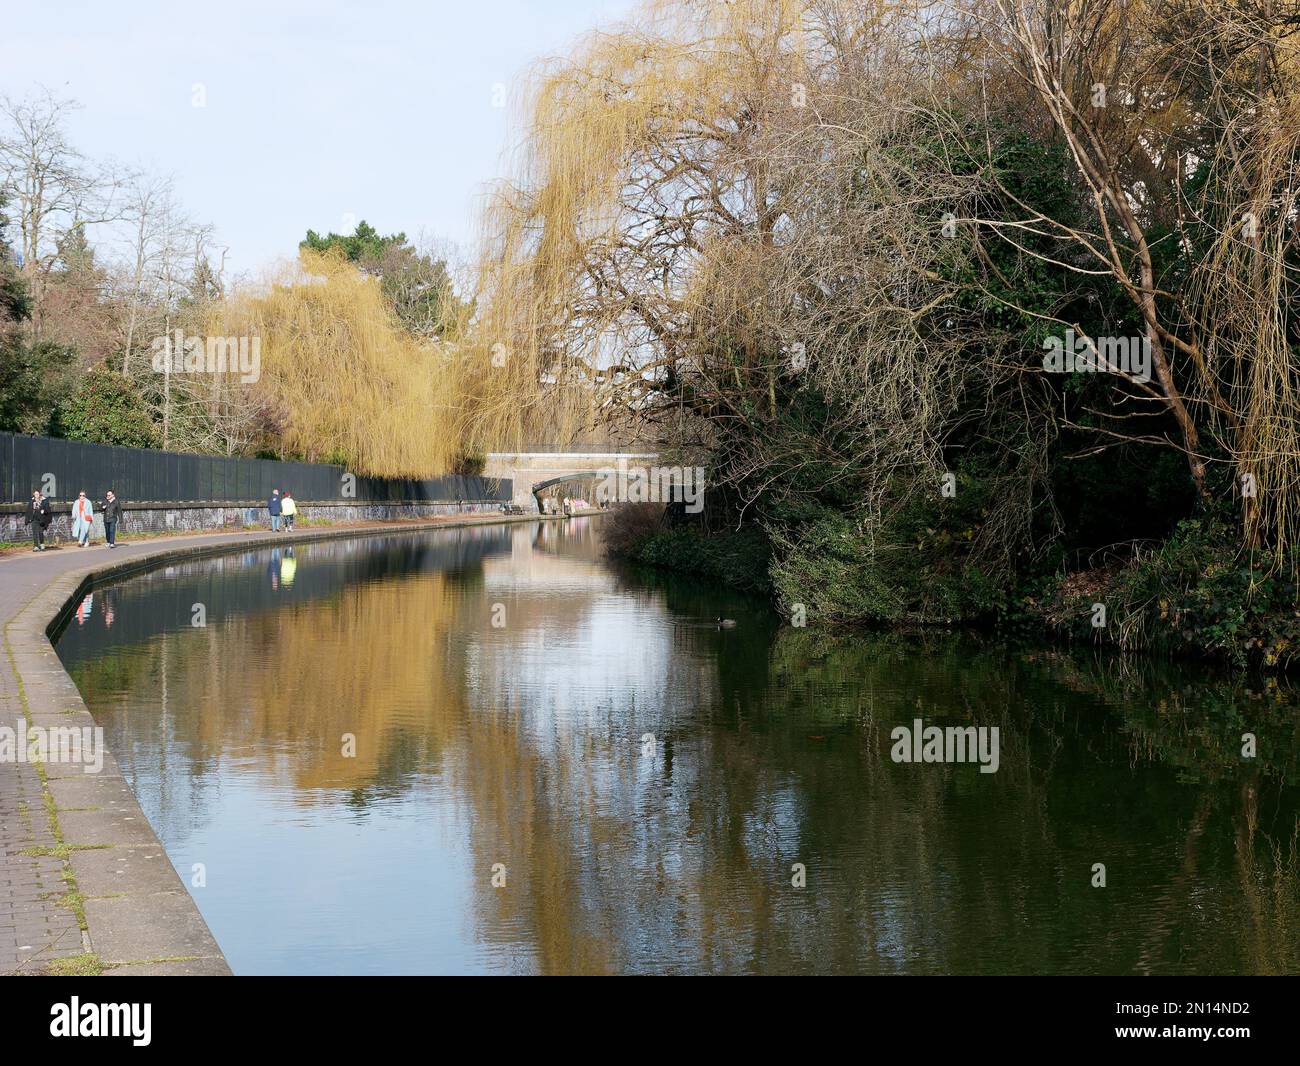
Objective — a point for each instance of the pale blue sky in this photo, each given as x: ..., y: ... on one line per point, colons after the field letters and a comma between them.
x: 316, y: 109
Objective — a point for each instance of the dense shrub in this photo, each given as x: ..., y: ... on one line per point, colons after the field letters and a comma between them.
x: 628, y: 526
x: 1197, y: 592
x: 914, y: 569
x: 105, y: 409
x: 635, y: 532
x: 35, y: 376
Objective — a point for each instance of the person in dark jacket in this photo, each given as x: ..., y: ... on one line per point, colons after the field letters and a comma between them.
x: 39, y: 517
x: 111, y: 509
x: 273, y: 508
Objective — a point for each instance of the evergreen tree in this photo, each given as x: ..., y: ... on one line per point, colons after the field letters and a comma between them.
x: 34, y: 374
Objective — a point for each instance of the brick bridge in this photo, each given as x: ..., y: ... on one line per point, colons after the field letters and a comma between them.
x: 533, y: 472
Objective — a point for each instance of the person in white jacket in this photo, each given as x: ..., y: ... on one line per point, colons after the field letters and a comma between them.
x: 288, y: 508
x: 83, y: 519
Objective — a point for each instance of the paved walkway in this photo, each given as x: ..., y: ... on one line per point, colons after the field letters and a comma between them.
x: 83, y: 878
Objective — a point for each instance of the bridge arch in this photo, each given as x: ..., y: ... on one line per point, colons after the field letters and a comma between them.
x: 532, y: 473
x: 539, y: 487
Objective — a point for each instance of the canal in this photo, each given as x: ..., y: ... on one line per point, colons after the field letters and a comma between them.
x: 488, y: 750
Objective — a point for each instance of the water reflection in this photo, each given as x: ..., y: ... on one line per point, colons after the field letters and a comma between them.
x: 645, y: 781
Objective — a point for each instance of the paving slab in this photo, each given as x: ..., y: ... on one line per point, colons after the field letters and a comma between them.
x: 106, y: 872
x: 152, y: 925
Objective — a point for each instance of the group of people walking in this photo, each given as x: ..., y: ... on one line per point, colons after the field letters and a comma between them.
x: 281, y: 507
x: 40, y: 515
x: 564, y: 505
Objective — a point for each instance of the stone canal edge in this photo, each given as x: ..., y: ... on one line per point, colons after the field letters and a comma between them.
x: 86, y: 886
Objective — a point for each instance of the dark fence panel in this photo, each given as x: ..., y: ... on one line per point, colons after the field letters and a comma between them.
x: 144, y: 475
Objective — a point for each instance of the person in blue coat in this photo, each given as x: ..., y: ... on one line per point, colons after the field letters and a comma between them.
x: 273, y: 508
x: 83, y: 519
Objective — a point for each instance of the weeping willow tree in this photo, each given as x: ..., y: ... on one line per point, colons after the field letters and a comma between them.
x: 1182, y: 118
x: 1243, y: 301
x: 726, y: 231
x: 341, y: 378
x: 642, y: 148
x: 643, y: 250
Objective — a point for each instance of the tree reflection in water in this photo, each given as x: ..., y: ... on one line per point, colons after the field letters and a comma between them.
x: 524, y: 746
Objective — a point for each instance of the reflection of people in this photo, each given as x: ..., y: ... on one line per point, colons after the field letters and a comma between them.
x: 112, y: 510
x: 110, y: 607
x: 273, y: 509
x: 83, y: 519
x: 39, y: 516
x: 288, y: 565
x: 288, y: 508
x: 273, y: 568
x: 84, y: 609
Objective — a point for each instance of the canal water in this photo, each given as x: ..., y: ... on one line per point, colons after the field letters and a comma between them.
x: 487, y: 750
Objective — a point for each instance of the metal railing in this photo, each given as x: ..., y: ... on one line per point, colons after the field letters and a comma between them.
x: 62, y: 468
